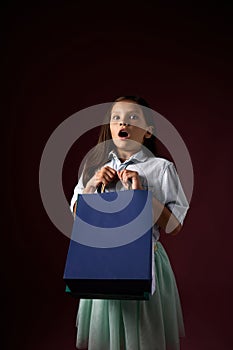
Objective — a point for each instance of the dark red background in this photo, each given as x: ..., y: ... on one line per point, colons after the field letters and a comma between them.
x: 61, y: 57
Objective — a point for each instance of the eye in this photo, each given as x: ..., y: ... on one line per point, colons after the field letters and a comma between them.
x: 115, y: 117
x: 133, y: 117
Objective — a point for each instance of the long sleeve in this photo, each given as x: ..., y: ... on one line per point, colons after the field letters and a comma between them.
x: 173, y: 194
x: 77, y: 190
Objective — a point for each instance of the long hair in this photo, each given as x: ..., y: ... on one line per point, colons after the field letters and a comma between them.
x: 99, y: 154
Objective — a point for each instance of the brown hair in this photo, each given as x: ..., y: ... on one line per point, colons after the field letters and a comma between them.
x: 99, y: 154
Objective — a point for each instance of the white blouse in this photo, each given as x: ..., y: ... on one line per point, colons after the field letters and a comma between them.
x: 157, y: 175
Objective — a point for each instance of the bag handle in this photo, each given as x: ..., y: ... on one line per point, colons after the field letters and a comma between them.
x: 102, y: 188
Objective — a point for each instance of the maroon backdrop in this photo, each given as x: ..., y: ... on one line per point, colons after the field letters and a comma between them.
x: 61, y: 57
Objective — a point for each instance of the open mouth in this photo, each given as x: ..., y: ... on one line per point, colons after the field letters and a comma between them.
x: 123, y: 133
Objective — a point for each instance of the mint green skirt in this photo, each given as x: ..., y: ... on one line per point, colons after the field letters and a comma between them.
x: 154, y: 324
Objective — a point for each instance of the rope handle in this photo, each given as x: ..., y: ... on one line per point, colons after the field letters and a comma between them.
x: 102, y: 188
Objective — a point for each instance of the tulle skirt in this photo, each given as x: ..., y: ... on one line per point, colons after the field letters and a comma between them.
x: 154, y: 324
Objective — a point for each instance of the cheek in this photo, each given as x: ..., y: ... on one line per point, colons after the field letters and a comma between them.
x: 113, y: 131
x: 140, y: 134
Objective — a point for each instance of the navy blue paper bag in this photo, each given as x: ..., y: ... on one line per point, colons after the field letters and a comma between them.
x: 110, y: 251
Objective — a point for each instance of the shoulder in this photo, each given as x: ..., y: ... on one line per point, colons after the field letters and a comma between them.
x: 154, y: 168
x: 159, y: 163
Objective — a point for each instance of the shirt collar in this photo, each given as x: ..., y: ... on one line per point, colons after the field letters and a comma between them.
x: 138, y: 157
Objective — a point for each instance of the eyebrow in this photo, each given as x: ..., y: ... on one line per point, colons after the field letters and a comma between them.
x: 133, y: 111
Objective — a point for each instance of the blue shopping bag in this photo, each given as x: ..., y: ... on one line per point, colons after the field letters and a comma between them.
x: 110, y: 251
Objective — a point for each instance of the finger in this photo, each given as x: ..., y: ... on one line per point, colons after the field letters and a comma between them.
x: 102, y: 179
x: 101, y: 173
x: 126, y: 181
x: 120, y: 173
x: 105, y: 178
x: 127, y: 175
x: 105, y: 181
x: 111, y: 170
x: 100, y: 176
x: 123, y: 175
x: 109, y: 173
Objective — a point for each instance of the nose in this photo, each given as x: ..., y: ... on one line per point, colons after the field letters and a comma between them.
x: 124, y: 124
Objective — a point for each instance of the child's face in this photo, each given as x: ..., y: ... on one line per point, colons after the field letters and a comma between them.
x: 128, y: 126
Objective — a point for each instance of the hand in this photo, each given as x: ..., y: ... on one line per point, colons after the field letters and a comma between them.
x: 105, y: 175
x: 130, y: 179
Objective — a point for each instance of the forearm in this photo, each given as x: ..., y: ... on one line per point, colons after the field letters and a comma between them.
x: 89, y: 189
x: 164, y: 218
x: 74, y: 209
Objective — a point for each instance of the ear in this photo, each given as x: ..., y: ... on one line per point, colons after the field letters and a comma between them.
x: 149, y: 132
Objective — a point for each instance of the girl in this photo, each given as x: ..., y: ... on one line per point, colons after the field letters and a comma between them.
x: 126, y: 159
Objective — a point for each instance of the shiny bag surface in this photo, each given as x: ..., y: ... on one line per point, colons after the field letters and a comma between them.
x: 110, y: 251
